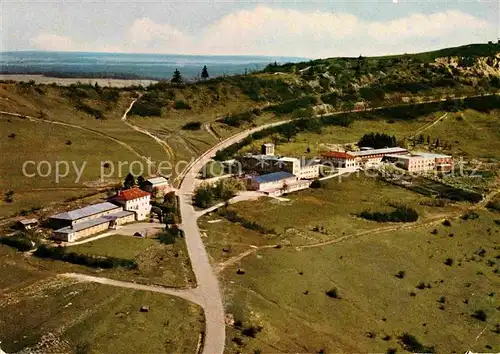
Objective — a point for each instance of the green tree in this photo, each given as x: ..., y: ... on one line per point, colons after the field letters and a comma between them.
x: 129, y: 181
x: 176, y: 77
x: 140, y: 182
x: 9, y: 196
x: 203, y: 196
x: 204, y: 73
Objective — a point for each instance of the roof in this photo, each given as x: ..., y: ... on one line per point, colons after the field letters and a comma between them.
x: 94, y: 222
x: 289, y: 159
x: 431, y: 155
x: 401, y: 157
x: 273, y: 177
x: 157, y: 180
x: 87, y: 211
x: 306, y: 163
x: 385, y: 151
x: 131, y: 194
x: 338, y: 155
x: 28, y: 221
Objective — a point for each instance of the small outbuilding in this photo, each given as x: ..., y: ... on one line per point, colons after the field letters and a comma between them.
x: 28, y: 224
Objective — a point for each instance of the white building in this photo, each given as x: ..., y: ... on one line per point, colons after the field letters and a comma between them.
x: 90, y: 220
x: 158, y: 186
x: 135, y: 200
x: 373, y: 157
x: 267, y: 149
x: 277, y: 183
x: 340, y: 159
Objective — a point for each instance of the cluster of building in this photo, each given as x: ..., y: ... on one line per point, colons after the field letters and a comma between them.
x: 279, y: 174
x: 126, y: 206
x: 412, y: 162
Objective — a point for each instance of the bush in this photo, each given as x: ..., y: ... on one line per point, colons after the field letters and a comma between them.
x: 401, y: 214
x: 448, y: 262
x: 149, y: 104
x: 203, y: 196
x: 192, y: 126
x: 411, y: 344
x: 251, y: 331
x: 470, y: 215
x: 179, y: 104
x: 22, y: 242
x: 401, y: 274
x: 316, y: 184
x: 236, y: 120
x: 333, y: 293
x: 377, y: 140
x: 60, y: 254
x: 480, y: 315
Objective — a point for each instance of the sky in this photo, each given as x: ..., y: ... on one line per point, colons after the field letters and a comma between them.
x: 312, y: 29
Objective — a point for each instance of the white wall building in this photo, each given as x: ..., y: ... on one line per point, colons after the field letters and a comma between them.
x: 135, y: 200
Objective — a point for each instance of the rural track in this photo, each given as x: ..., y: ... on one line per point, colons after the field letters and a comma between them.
x: 168, y: 150
x: 431, y: 221
x: 427, y: 127
x: 74, y: 126
x: 187, y: 294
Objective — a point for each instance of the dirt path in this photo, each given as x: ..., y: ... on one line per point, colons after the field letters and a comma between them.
x: 188, y: 294
x: 168, y: 150
x: 212, y: 132
x: 74, y: 126
x: 428, y: 126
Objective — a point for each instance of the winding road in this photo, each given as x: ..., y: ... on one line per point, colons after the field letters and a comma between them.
x: 207, y: 294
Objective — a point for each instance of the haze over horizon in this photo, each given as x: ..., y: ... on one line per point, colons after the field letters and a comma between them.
x: 261, y: 28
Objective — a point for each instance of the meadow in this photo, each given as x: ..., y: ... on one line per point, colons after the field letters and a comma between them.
x: 365, y: 293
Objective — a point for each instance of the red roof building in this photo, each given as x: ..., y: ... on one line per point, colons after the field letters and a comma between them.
x: 337, y: 155
x: 131, y: 194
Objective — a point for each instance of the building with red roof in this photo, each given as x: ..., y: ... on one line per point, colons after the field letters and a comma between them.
x: 340, y: 159
x: 134, y: 199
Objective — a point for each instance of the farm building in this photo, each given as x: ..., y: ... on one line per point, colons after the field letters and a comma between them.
x: 373, y: 157
x: 303, y: 169
x: 340, y: 159
x: 362, y: 158
x: 28, y: 224
x: 158, y: 186
x: 134, y: 199
x: 75, y: 224
x: 277, y: 183
x: 421, y: 162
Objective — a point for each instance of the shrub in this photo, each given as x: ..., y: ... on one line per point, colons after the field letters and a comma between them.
x: 470, y: 215
x: 333, y: 293
x: 316, y: 184
x: 179, y: 104
x: 22, y: 242
x: 480, y: 315
x: 411, y: 344
x: 251, y: 331
x: 446, y: 223
x: 448, y: 262
x: 401, y: 214
x: 192, y: 126
x: 401, y: 274
x: 236, y: 120
x: 60, y: 254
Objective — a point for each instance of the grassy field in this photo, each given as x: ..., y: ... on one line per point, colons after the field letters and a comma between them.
x: 284, y: 292
x: 57, y: 315
x: 334, y: 207
x: 471, y: 133
x: 52, y: 314
x: 157, y: 263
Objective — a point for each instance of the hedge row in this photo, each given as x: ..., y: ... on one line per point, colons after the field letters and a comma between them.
x: 60, y: 254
